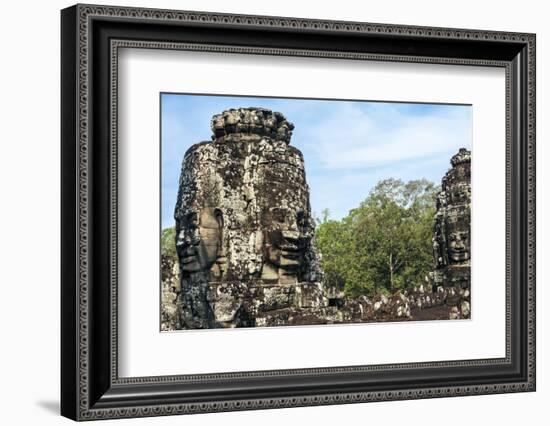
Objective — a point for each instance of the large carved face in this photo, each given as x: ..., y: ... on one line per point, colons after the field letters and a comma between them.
x: 287, y: 239
x: 198, y: 238
x: 458, y: 244
x: 285, y: 221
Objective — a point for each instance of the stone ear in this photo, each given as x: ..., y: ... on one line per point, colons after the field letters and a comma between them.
x: 219, y: 217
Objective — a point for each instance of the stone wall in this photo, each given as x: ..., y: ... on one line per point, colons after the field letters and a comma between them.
x: 453, y: 301
x: 170, y: 293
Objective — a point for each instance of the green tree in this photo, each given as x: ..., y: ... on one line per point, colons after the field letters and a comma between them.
x: 168, y: 242
x: 385, y: 243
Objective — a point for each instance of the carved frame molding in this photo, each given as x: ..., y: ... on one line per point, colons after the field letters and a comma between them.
x: 91, y: 388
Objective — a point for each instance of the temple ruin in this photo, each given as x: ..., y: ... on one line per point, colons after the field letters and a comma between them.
x: 244, y: 230
x: 449, y: 283
x: 245, y: 238
x: 451, y: 240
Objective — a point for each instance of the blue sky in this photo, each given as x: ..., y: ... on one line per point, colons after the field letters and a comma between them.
x: 348, y: 146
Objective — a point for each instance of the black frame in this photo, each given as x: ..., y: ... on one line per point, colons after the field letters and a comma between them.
x: 90, y: 386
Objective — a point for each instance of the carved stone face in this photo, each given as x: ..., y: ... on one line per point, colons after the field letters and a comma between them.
x: 286, y: 241
x: 285, y: 221
x: 198, y: 239
x: 458, y: 246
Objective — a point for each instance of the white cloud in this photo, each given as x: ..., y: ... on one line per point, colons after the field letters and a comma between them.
x: 352, y: 137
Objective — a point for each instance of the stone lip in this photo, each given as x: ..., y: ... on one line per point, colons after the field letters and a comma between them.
x: 252, y: 121
x: 462, y: 156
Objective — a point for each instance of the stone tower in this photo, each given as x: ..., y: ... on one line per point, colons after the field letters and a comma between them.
x: 451, y: 240
x: 244, y: 229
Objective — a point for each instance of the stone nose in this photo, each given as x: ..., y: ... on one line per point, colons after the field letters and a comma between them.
x: 459, y: 243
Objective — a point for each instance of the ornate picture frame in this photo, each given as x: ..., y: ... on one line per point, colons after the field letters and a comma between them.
x: 91, y: 37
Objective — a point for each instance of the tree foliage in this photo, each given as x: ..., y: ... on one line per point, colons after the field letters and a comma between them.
x: 384, y: 244
x: 168, y: 242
